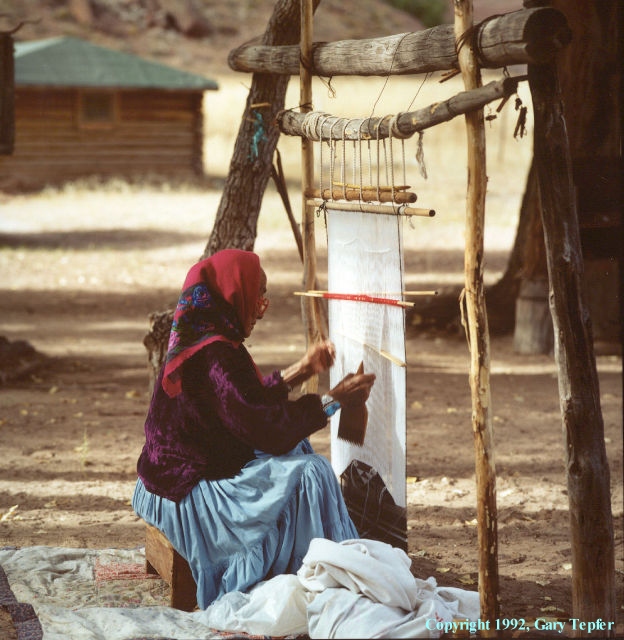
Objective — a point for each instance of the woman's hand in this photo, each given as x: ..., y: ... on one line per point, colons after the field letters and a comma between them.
x: 353, y: 389
x: 318, y: 358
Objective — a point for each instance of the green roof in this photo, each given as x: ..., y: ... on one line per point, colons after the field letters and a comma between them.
x: 71, y: 62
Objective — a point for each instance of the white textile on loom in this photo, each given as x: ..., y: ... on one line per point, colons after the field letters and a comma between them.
x: 364, y: 255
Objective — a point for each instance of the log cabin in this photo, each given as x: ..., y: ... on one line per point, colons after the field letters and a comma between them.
x: 84, y: 110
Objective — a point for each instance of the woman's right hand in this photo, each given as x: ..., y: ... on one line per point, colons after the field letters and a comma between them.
x: 353, y: 389
x: 319, y: 357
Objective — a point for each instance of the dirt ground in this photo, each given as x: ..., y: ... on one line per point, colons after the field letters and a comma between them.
x: 71, y: 429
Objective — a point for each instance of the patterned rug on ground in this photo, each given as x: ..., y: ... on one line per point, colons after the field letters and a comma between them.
x: 88, y: 594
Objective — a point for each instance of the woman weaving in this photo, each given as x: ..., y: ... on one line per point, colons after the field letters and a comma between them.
x: 226, y: 472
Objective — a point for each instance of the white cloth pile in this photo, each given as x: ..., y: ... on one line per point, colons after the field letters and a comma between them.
x: 354, y: 589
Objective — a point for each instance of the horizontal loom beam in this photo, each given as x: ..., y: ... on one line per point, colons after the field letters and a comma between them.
x: 370, y: 207
x: 527, y: 36
x: 320, y: 126
x: 366, y: 194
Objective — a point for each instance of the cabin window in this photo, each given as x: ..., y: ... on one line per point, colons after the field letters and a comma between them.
x: 97, y: 109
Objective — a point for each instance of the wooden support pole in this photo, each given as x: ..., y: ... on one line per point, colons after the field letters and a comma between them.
x: 587, y: 466
x: 521, y: 37
x: 312, y: 316
x: 477, y: 330
x: 324, y: 126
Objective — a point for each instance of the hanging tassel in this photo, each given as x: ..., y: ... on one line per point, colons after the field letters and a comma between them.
x: 520, y: 129
x: 420, y: 155
x: 258, y: 136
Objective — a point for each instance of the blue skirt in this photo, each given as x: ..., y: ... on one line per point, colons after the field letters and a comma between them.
x: 239, y: 531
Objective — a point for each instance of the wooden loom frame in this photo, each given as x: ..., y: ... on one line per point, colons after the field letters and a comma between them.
x: 485, y: 45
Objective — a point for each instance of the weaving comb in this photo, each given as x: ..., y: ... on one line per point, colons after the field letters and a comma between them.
x: 353, y: 420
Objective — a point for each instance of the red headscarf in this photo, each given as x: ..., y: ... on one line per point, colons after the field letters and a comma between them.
x: 218, y: 295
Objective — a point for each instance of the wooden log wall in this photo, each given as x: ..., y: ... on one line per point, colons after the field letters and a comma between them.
x: 153, y: 133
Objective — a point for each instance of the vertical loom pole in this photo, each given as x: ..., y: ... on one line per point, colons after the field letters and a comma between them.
x: 587, y: 466
x: 477, y: 329
x: 310, y: 307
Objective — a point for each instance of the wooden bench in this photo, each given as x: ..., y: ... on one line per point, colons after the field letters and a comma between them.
x: 163, y: 560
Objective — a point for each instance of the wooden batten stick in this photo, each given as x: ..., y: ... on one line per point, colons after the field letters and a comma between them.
x: 354, y: 297
x: 367, y: 195
x: 369, y: 207
x: 418, y: 211
x: 381, y: 352
x: 386, y: 293
x: 477, y: 329
x: 381, y: 187
x: 388, y: 356
x: 310, y: 308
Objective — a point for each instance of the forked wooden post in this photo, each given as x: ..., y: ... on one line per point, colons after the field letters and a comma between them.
x: 477, y: 329
x: 587, y: 466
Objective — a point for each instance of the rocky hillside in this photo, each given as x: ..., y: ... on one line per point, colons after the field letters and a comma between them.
x: 197, y: 35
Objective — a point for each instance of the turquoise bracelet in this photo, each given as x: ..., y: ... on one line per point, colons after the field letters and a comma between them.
x: 330, y: 406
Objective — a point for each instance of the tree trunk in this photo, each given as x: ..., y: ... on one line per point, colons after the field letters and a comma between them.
x: 7, y: 94
x: 590, y: 85
x: 250, y: 168
x: 502, y: 295
x: 590, y: 75
x: 441, y: 311
x: 533, y: 331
